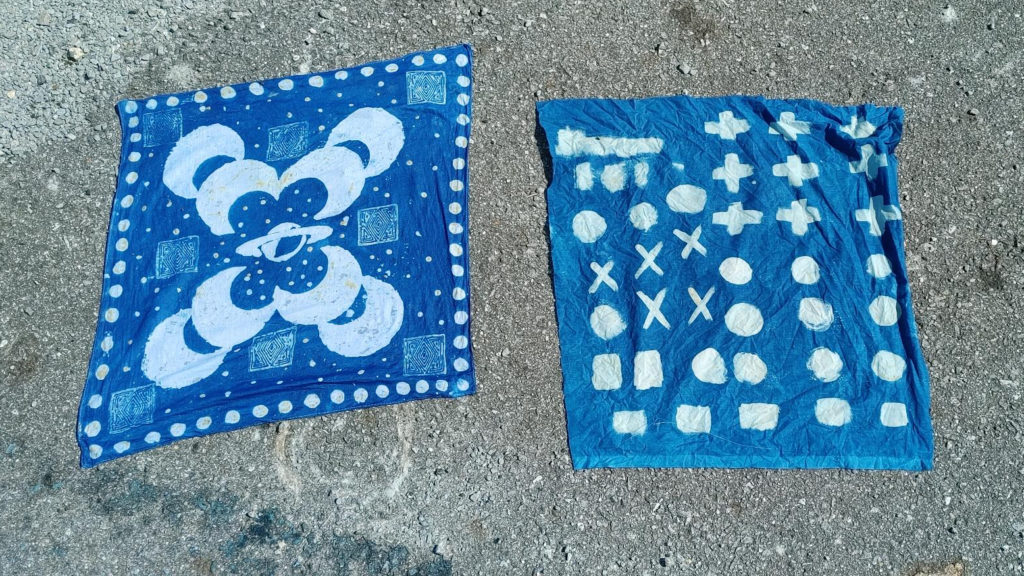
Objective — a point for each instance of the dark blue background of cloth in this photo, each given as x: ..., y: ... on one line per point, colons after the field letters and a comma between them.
x: 838, y: 243
x: 428, y: 182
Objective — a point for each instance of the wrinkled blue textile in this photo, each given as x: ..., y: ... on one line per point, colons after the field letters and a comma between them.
x: 731, y: 285
x: 282, y: 249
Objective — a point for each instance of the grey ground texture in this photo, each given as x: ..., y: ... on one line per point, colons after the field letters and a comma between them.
x: 484, y: 485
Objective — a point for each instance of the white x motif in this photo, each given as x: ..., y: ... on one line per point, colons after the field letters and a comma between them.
x: 869, y: 162
x: 702, y: 303
x: 735, y: 218
x: 732, y: 171
x: 649, y: 260
x: 654, y: 309
x: 728, y: 126
x: 789, y: 127
x: 858, y: 128
x: 603, y: 276
x: 692, y: 242
x: 795, y: 170
x: 799, y: 215
x: 877, y: 214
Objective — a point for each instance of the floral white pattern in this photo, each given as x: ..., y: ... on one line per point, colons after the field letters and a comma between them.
x: 214, y: 313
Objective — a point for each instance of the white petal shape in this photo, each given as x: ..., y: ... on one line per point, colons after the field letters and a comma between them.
x: 371, y: 331
x: 169, y: 362
x: 216, y: 317
x: 328, y: 299
x: 229, y: 183
x: 341, y: 172
x: 381, y: 132
x: 197, y: 147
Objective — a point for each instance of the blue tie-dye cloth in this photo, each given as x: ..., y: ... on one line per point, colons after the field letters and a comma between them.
x: 283, y: 249
x: 731, y: 285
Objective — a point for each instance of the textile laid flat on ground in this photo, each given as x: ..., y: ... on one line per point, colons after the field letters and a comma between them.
x: 731, y: 286
x: 282, y: 249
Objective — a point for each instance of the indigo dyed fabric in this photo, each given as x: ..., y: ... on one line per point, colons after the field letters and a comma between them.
x: 731, y: 285
x: 282, y: 249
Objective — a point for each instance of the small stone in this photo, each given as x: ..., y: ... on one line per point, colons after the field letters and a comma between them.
x: 44, y: 19
x: 441, y: 549
x: 994, y: 242
x: 75, y: 53
x: 325, y: 14
x: 973, y: 112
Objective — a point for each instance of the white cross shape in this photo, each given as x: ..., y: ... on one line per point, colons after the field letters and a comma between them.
x: 603, y: 277
x: 877, y: 214
x: 654, y: 309
x: 702, y: 304
x: 789, y: 127
x: 869, y: 162
x: 799, y: 215
x: 728, y: 126
x: 735, y: 218
x: 858, y: 128
x: 649, y: 260
x: 732, y: 171
x: 795, y: 170
x: 692, y: 242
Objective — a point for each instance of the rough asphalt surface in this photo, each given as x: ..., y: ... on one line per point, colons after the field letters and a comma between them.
x: 483, y: 485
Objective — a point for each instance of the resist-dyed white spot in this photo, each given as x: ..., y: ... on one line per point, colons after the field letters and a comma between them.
x: 735, y: 271
x: 606, y: 322
x: 894, y: 414
x: 152, y: 437
x: 878, y: 266
x: 121, y: 446
x: 633, y: 422
x: 232, y: 417
x: 607, y: 372
x: 744, y: 319
x: 693, y: 419
x: 177, y: 429
x: 613, y: 177
x: 708, y: 366
x: 888, y: 366
x: 884, y: 310
x: 337, y: 396
x: 311, y: 401
x: 92, y: 429
x: 825, y: 364
x: 259, y: 410
x: 647, y: 370
x: 686, y: 199
x: 759, y: 416
x: 832, y: 411
x: 95, y: 401
x: 588, y: 226
x: 749, y: 368
x: 816, y: 314
x: 643, y: 216
x: 204, y: 422
x: 584, y: 176
x: 360, y: 395
x: 805, y: 270
x: 95, y: 451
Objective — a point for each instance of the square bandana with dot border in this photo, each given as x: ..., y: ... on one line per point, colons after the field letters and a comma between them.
x: 731, y: 285
x: 282, y: 249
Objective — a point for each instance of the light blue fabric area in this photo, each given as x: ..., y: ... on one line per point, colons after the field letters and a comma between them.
x: 731, y: 285
x: 282, y: 249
